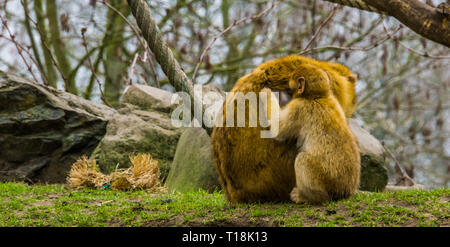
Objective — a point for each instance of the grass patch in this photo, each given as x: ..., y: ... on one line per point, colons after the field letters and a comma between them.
x: 58, y: 205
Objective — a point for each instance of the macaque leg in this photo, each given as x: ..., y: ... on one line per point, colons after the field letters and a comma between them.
x: 295, y: 196
x: 309, y: 185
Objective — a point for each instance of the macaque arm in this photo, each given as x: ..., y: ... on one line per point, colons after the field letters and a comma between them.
x: 288, y: 128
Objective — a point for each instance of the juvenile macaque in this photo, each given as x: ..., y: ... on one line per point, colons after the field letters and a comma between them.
x: 327, y: 166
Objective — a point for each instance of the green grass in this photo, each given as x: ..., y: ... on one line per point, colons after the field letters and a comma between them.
x: 57, y: 205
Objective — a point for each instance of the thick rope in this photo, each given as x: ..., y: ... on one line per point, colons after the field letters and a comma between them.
x: 359, y: 4
x: 163, y: 54
x: 155, y: 41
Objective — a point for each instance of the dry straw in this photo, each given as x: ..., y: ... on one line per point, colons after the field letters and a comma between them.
x: 142, y: 174
x: 84, y: 173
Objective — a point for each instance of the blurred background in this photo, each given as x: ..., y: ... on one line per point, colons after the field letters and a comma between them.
x: 403, y: 78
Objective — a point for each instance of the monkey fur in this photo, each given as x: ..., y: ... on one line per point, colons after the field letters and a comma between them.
x: 342, y: 80
x: 327, y: 166
x: 255, y: 169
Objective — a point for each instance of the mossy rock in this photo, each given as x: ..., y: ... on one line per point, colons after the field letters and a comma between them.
x: 193, y: 168
x: 374, y: 175
x: 135, y: 131
x: 44, y: 130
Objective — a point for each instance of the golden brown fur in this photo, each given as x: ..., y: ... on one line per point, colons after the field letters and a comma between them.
x: 276, y: 74
x: 252, y: 168
x: 328, y: 164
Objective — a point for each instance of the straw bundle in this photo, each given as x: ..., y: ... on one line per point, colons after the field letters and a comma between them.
x: 84, y: 173
x: 142, y: 174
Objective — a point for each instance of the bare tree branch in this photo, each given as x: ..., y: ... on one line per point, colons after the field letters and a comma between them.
x: 91, y: 66
x: 404, y: 176
x: 235, y: 23
x: 420, y: 17
x: 330, y: 16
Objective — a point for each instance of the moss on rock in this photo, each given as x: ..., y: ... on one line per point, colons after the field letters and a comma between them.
x: 137, y: 132
x: 193, y: 168
x: 373, y: 173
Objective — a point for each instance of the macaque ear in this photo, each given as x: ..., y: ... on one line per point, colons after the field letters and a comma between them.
x: 328, y: 74
x: 352, y: 78
x: 301, y: 85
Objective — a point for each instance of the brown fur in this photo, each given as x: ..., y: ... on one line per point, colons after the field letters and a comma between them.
x: 328, y: 164
x: 254, y: 169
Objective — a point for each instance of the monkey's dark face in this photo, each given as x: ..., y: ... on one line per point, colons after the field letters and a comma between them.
x: 285, y: 97
x: 285, y: 93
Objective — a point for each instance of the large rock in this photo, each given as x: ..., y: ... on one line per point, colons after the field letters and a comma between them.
x: 137, y: 131
x: 43, y: 130
x: 144, y: 126
x: 374, y: 176
x: 193, y: 168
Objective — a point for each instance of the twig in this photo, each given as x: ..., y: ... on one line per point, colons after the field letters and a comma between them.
x: 18, y: 47
x: 235, y: 23
x: 322, y: 25
x: 133, y: 65
x: 404, y: 175
x: 143, y: 44
x: 102, y: 203
x: 335, y: 47
x: 84, y: 44
x: 424, y: 54
x: 359, y: 4
x: 48, y: 50
x: 24, y: 4
x: 133, y: 28
x: 29, y: 55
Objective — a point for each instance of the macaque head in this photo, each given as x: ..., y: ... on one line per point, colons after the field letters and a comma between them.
x: 309, y: 82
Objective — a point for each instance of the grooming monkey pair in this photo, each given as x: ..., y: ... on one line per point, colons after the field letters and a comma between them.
x: 313, y: 133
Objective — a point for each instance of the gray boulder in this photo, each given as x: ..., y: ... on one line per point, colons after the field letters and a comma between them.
x: 193, y: 168
x: 143, y: 126
x: 136, y: 131
x: 374, y: 175
x: 44, y: 130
